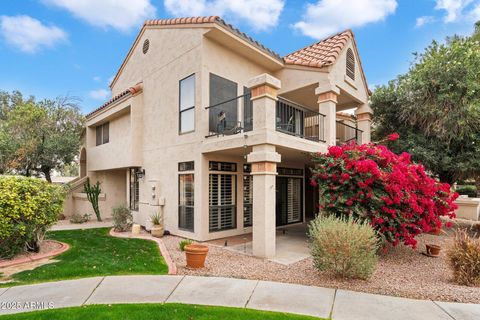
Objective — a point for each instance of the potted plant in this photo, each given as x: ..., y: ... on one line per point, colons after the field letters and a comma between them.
x: 433, y: 250
x: 157, y: 225
x: 196, y: 254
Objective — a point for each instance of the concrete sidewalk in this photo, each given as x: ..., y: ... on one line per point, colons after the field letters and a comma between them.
x: 252, y: 294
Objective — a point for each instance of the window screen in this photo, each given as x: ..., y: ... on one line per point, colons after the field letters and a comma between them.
x: 222, y: 90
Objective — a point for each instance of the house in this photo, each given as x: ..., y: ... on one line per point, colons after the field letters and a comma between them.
x: 214, y: 130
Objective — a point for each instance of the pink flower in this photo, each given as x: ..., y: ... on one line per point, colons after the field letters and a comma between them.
x: 393, y: 136
x: 313, y: 183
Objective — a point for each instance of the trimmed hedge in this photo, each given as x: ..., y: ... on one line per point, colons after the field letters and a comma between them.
x: 469, y: 190
x: 28, y: 207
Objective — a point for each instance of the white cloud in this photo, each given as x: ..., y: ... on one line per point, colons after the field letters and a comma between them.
x: 454, y: 8
x: 421, y: 21
x: 97, y: 79
x: 29, y: 34
x: 118, y: 14
x: 99, y: 94
x: 261, y: 15
x: 475, y: 14
x: 326, y: 17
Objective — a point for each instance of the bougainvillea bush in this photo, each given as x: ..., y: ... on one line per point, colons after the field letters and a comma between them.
x: 397, y: 196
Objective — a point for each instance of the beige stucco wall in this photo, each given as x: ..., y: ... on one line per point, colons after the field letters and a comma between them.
x: 144, y: 129
x: 113, y: 185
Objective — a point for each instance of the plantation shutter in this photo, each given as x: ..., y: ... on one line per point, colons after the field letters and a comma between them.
x: 222, y: 202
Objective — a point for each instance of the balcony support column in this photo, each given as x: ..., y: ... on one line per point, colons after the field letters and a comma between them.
x: 364, y: 121
x: 264, y: 97
x: 264, y: 159
x: 327, y: 105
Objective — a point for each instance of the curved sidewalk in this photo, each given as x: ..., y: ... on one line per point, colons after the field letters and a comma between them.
x: 252, y: 294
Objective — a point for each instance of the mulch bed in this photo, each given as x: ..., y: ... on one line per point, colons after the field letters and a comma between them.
x: 402, y: 271
x: 48, y: 248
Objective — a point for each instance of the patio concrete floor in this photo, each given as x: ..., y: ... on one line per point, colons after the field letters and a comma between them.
x: 291, y: 244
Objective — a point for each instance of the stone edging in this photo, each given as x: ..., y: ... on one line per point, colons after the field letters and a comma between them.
x: 172, y: 267
x: 64, y: 247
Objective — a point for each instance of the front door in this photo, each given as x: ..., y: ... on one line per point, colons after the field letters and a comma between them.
x: 289, y: 202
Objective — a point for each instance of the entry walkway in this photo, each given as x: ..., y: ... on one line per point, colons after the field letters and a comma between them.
x: 252, y: 294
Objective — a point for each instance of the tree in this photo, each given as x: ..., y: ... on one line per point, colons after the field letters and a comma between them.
x: 38, y: 137
x: 435, y: 107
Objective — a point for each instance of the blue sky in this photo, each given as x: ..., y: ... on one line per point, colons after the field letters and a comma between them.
x: 50, y: 48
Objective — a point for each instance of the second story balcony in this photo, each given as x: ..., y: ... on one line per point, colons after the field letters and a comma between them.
x: 236, y: 115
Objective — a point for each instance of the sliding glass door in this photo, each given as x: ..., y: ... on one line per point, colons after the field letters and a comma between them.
x: 289, y: 197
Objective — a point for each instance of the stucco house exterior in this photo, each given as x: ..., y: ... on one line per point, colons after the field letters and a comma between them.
x: 214, y: 130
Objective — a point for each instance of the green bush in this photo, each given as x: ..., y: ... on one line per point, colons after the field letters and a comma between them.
x: 185, y: 242
x: 468, y: 190
x: 28, y: 207
x: 344, y: 246
x: 122, y: 218
x: 464, y: 259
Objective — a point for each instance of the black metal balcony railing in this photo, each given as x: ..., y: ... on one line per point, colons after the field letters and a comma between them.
x: 346, y: 133
x: 294, y: 119
x: 224, y: 119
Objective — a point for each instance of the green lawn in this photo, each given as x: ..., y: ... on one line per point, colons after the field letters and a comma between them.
x: 154, y: 311
x: 94, y: 252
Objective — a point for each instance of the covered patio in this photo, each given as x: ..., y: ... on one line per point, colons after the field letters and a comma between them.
x: 291, y: 244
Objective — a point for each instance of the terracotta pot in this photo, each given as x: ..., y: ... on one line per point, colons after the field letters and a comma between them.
x: 433, y: 249
x: 196, y: 254
x: 157, y: 231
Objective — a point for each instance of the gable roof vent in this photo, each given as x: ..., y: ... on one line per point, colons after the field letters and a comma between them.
x: 146, y: 45
x: 350, y: 64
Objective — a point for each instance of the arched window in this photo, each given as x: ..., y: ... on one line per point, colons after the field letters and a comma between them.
x: 350, y: 64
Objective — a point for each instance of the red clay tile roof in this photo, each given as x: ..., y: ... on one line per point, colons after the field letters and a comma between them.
x: 130, y: 91
x: 322, y: 53
x: 212, y: 19
x: 191, y: 20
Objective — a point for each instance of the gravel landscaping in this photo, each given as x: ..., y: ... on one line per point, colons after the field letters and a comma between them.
x: 400, y: 272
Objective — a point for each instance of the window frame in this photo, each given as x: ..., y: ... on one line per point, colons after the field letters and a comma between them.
x: 180, y: 112
x: 134, y: 186
x: 186, y: 166
x: 101, y: 128
x: 186, y: 173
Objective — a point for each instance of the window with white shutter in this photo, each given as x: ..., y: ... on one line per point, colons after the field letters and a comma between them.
x: 222, y: 202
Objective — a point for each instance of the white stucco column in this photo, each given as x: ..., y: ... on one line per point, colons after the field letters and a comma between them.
x: 327, y: 105
x: 264, y: 159
x: 264, y: 97
x: 364, y: 121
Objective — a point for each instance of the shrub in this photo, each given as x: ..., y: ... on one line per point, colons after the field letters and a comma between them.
x: 344, y: 246
x: 464, y: 259
x: 78, y: 218
x: 122, y: 218
x: 28, y: 207
x: 369, y: 182
x: 468, y: 190
x: 183, y: 243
